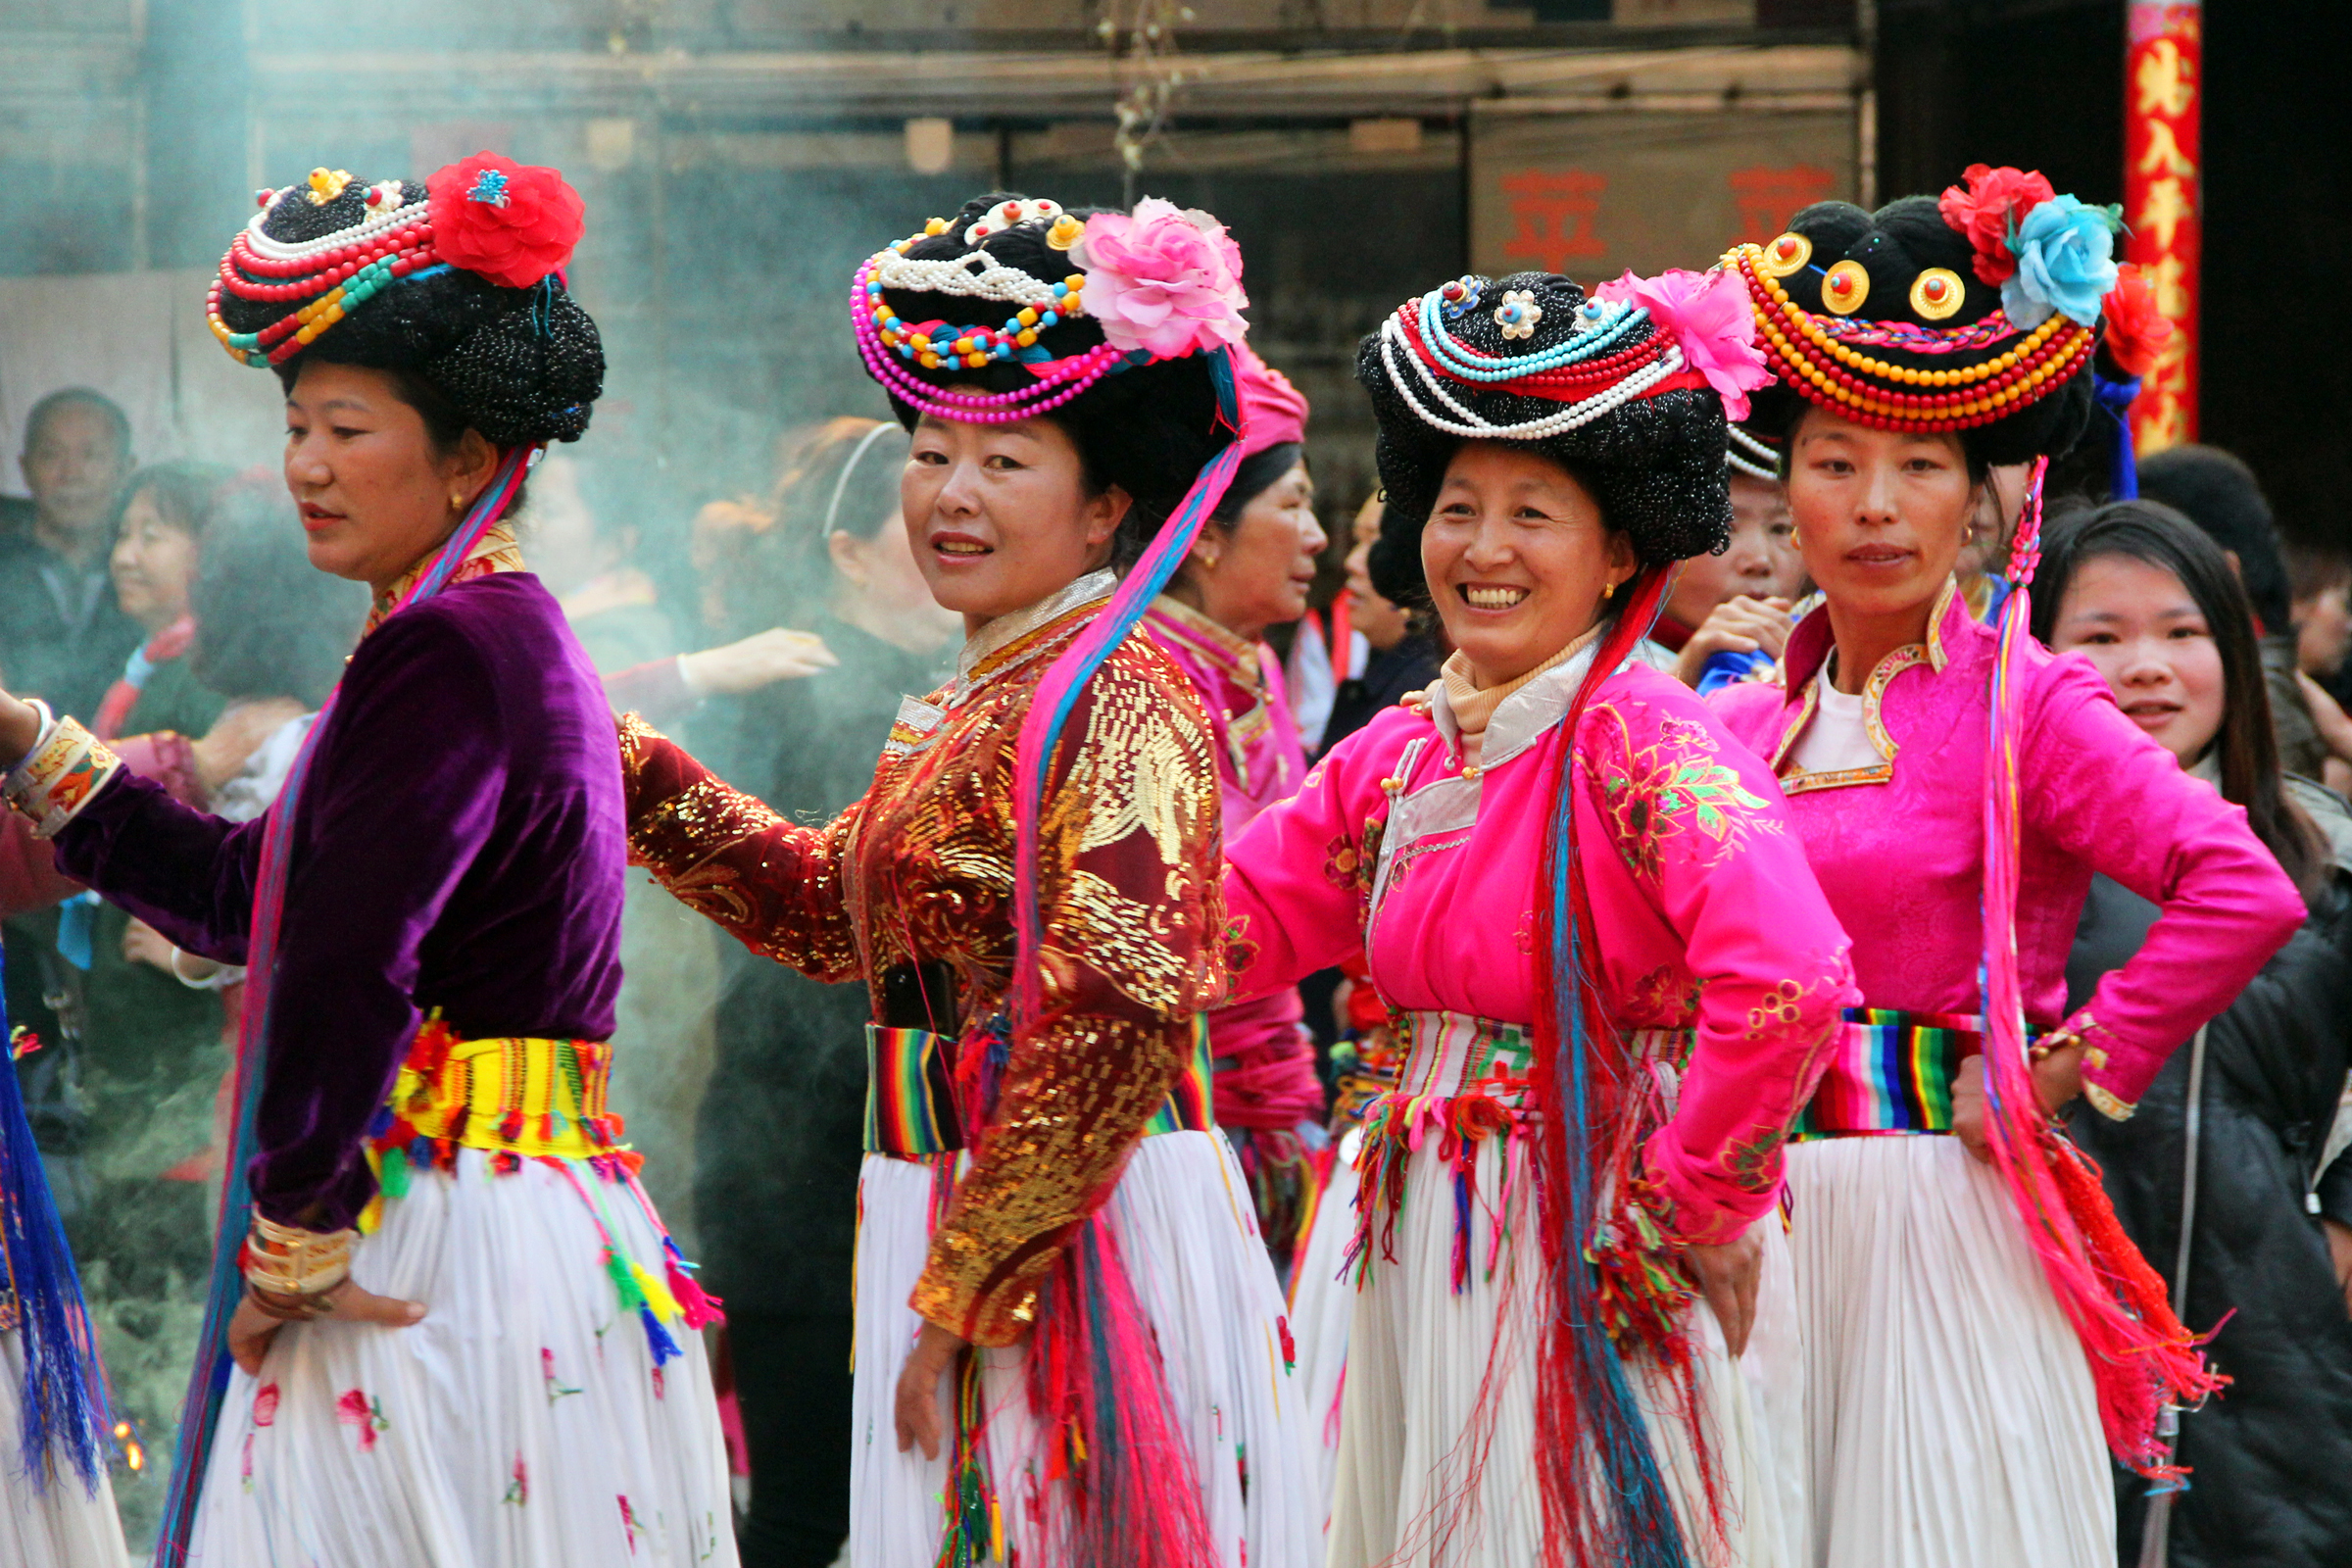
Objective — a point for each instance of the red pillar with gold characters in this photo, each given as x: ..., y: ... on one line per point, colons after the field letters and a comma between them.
x: 2164, y: 68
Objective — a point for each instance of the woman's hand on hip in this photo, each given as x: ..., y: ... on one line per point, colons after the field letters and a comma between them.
x: 917, y: 1402
x: 252, y: 1329
x: 1728, y: 1276
x: 2057, y: 1080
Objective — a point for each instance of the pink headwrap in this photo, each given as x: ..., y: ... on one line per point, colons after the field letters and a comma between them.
x: 1272, y: 411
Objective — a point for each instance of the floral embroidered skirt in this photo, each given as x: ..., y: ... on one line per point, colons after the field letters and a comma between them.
x: 1182, y: 1215
x: 525, y: 1423
x: 62, y: 1524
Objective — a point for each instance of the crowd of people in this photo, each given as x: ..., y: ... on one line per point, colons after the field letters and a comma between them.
x: 1769, y: 983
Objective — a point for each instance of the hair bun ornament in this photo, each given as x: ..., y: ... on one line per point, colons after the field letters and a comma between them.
x: 2064, y: 255
x: 1163, y: 280
x: 1709, y: 319
x: 2138, y: 329
x: 511, y: 223
x: 1985, y: 208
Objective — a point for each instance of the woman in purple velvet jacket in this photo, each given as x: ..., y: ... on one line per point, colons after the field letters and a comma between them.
x: 456, y: 1336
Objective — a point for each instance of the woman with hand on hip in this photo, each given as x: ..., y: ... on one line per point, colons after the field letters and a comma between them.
x: 1612, y: 970
x: 1973, y: 1316
x: 429, y: 1228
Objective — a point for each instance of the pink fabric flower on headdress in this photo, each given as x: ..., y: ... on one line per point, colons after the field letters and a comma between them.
x: 510, y: 223
x: 1273, y: 412
x: 1162, y: 279
x: 1711, y: 320
x: 1990, y: 204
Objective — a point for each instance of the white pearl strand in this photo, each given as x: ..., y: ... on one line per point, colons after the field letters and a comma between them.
x: 278, y: 250
x: 1477, y: 428
x: 1006, y: 285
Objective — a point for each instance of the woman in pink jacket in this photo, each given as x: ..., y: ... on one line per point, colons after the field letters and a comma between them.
x: 1609, y: 964
x: 1251, y: 568
x: 1973, y: 1315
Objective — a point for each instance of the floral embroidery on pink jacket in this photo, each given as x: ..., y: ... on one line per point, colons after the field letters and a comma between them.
x: 1899, y: 849
x: 1705, y: 913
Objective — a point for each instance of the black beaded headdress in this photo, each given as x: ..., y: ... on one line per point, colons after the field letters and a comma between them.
x: 1600, y: 386
x: 457, y: 280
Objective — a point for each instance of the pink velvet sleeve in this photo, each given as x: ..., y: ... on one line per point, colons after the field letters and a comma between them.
x: 1298, y: 878
x: 2106, y: 792
x: 1702, y: 825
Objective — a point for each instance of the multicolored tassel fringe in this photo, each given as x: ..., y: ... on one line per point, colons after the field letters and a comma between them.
x: 2142, y: 1356
x: 64, y: 1392
x: 1605, y: 1501
x: 1096, y: 1380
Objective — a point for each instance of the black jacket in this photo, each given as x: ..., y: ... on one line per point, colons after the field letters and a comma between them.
x: 1389, y: 674
x: 782, y: 1129
x: 2271, y: 1458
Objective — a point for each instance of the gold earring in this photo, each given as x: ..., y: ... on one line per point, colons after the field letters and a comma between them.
x: 456, y: 500
x: 1609, y: 591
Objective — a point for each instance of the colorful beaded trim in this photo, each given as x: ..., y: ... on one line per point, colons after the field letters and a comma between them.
x: 1590, y: 374
x: 889, y: 345
x: 1804, y: 354
x: 336, y: 273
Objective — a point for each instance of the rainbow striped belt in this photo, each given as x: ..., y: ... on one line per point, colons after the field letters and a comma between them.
x: 910, y: 1103
x: 1891, y: 1072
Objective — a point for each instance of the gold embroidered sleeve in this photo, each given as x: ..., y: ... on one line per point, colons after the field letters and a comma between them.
x: 773, y: 885
x: 1131, y: 903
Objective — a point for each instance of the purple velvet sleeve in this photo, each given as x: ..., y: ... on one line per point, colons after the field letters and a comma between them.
x: 404, y: 789
x: 187, y: 874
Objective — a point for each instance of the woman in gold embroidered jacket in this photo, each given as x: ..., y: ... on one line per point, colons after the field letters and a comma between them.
x: 1064, y: 1314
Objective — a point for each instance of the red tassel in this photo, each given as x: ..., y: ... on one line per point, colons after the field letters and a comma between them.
x: 698, y: 1306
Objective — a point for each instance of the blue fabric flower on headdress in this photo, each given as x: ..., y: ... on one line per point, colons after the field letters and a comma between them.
x: 2065, y: 262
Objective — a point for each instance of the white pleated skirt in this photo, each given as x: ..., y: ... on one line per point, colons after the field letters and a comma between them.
x: 1414, y: 1491
x: 1322, y: 1304
x: 62, y: 1524
x: 1953, y: 1422
x: 522, y: 1424
x: 1182, y: 1215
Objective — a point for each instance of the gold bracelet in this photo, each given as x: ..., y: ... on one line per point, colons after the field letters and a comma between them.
x: 285, y: 1261
x: 58, y: 778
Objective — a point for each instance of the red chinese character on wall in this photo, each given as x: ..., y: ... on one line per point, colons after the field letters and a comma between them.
x: 1554, y: 214
x: 1769, y: 197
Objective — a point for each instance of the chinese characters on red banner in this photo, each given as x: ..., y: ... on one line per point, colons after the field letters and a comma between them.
x: 2164, y: 67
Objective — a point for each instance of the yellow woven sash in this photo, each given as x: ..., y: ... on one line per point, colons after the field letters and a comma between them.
x: 524, y: 1097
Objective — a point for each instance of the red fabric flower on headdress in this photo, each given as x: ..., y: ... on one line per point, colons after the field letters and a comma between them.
x: 510, y: 223
x: 1987, y: 208
x: 2136, y: 328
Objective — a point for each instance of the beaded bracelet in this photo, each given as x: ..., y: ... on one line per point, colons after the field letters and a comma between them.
x: 59, y: 776
x: 285, y: 1261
